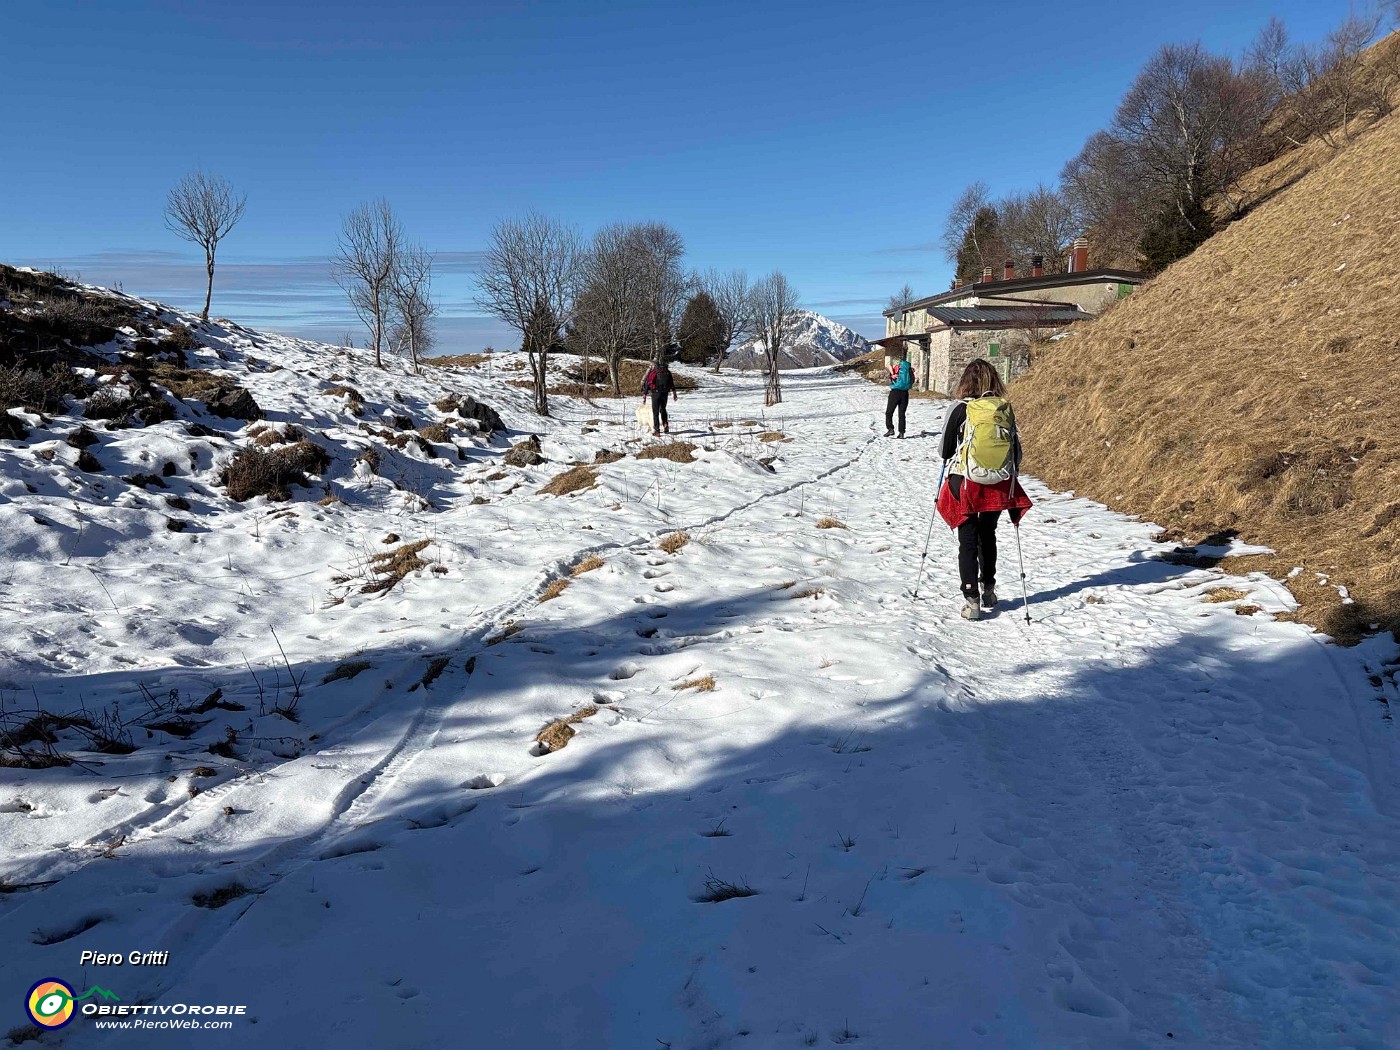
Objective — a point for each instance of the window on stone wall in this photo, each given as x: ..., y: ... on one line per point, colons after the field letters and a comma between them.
x: 993, y: 349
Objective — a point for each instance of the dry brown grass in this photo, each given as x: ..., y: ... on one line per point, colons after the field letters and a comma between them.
x: 1251, y: 388
x: 673, y: 542
x: 554, y: 590
x: 607, y: 455
x: 587, y: 565
x: 458, y: 360
x: 266, y: 437
x: 348, y: 392
x: 575, y: 479
x: 512, y: 627
x: 559, y: 732
x: 1224, y: 594
x: 440, y: 433
x: 675, y: 451
x: 773, y: 435
x: 595, y: 383
x: 829, y: 523
x: 392, y: 566
x: 807, y: 592
x: 704, y: 684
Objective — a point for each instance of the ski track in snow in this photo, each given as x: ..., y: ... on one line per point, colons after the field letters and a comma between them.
x: 1139, y: 815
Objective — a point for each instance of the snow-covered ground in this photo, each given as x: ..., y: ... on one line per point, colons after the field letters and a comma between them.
x: 1144, y: 819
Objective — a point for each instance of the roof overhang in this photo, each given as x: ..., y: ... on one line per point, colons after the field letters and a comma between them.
x: 1018, y: 284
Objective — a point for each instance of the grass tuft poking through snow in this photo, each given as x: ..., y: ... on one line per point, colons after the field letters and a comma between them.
x: 587, y: 565
x: 673, y: 542
x: 675, y: 451
x: 392, y: 566
x: 554, y: 590
x: 705, y: 684
x: 574, y: 479
x: 718, y: 890
x: 559, y: 732
x: 829, y: 523
x: 1224, y: 594
x: 223, y: 895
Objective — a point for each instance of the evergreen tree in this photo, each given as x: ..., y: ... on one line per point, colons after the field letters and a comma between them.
x: 701, y: 332
x: 981, y: 246
x: 1175, y: 232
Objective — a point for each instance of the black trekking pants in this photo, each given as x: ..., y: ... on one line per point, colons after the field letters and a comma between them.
x: 898, y: 399
x: 977, y: 544
x: 659, y: 418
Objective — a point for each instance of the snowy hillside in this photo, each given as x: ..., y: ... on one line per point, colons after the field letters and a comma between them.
x: 672, y: 758
x: 814, y: 340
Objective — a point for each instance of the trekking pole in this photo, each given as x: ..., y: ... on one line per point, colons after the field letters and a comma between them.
x: 1016, y: 527
x: 929, y: 538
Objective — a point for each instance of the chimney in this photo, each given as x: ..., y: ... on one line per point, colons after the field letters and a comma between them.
x: 1037, y: 266
x: 954, y: 283
x: 1008, y: 270
x: 1079, y: 256
x: 986, y: 275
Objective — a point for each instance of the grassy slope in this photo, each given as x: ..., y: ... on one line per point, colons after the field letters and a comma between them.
x: 1255, y: 386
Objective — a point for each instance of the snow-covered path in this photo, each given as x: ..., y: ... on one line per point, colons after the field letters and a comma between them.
x: 1142, y: 820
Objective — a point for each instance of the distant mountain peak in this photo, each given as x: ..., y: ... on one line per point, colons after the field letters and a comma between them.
x: 812, y: 340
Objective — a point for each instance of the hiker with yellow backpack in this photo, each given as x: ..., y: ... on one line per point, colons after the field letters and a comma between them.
x: 981, y: 453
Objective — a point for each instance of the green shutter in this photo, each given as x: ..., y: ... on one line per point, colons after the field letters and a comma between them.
x: 993, y: 349
x: 1124, y: 290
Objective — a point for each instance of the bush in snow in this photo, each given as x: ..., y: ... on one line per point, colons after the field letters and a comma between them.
x: 39, y: 391
x: 255, y: 472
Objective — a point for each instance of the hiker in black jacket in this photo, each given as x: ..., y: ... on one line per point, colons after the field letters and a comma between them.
x: 659, y: 383
x: 971, y: 508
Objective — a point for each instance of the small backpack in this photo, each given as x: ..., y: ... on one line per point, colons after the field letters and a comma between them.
x: 904, y: 377
x: 649, y: 383
x: 989, y: 435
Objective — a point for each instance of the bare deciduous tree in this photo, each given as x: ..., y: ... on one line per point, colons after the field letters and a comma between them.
x: 1105, y: 200
x: 665, y: 287
x: 1325, y: 87
x: 528, y: 281
x: 1039, y: 222
x: 364, y: 265
x: 773, y: 302
x: 730, y: 291
x: 202, y: 208
x: 900, y: 299
x: 411, y: 293
x: 610, y: 314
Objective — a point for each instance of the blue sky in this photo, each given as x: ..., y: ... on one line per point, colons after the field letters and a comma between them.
x: 823, y: 139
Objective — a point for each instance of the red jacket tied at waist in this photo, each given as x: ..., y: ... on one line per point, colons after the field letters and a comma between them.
x: 972, y: 498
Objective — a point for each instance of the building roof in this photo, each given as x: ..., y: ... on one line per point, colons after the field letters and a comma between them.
x: 1005, y: 316
x: 1023, y: 284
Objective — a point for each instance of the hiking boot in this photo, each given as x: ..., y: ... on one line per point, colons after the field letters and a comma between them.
x: 971, y: 610
x: 656, y: 433
x: 890, y: 432
x: 989, y: 596
x: 666, y: 428
x: 900, y: 435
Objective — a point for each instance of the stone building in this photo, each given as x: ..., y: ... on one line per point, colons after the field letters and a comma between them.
x: 999, y: 320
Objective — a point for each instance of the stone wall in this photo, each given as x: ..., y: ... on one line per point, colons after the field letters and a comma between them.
x: 952, y: 351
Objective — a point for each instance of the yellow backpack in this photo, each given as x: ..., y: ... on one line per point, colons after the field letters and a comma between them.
x: 985, y: 455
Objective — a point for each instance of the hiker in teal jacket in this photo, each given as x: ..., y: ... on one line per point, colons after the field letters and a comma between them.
x: 901, y: 382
